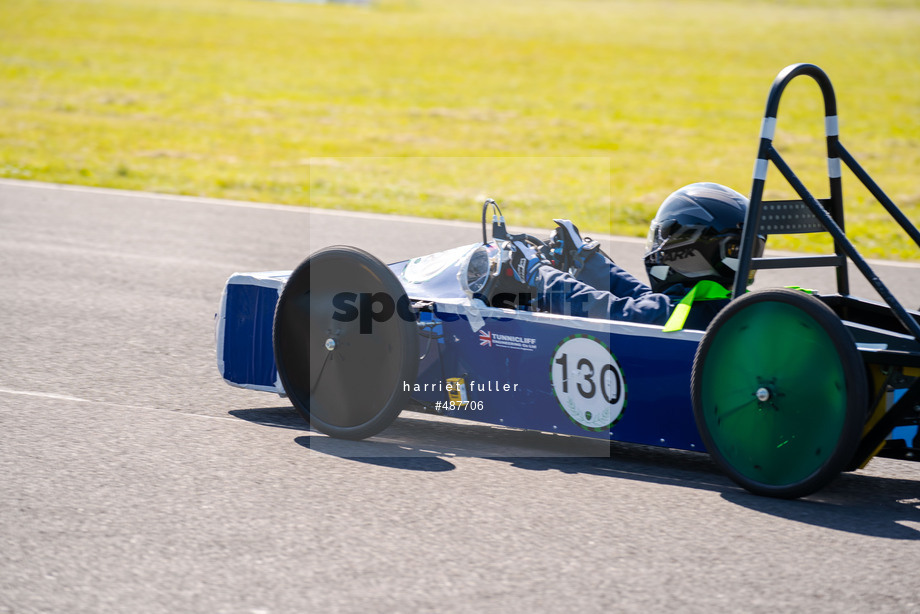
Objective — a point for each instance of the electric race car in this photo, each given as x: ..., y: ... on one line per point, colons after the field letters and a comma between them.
x: 784, y: 388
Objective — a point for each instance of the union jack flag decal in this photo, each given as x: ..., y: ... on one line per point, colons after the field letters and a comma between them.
x: 485, y: 338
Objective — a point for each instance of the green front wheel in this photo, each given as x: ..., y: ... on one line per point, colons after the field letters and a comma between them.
x: 779, y: 393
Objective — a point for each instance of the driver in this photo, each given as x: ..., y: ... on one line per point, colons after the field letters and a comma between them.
x: 695, y: 236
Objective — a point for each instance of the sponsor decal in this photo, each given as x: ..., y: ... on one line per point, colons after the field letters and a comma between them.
x: 511, y: 342
x: 588, y: 382
x: 456, y: 392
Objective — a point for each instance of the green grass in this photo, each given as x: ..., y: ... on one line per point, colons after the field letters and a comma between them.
x: 589, y: 109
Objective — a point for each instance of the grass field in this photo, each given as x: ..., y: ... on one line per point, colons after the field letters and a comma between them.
x: 589, y: 109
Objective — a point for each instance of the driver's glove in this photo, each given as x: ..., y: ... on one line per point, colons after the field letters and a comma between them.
x: 569, y: 249
x: 525, y: 261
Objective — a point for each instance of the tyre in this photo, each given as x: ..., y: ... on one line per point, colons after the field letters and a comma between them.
x: 348, y: 373
x: 779, y: 393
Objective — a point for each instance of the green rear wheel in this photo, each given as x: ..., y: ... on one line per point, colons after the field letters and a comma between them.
x: 779, y: 393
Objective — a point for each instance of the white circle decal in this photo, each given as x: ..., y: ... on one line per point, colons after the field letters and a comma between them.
x: 588, y: 382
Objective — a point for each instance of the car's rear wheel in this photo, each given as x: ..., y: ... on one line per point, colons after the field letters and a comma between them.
x: 346, y: 371
x: 779, y: 393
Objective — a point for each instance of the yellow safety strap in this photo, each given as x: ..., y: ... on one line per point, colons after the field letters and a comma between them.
x: 705, y: 290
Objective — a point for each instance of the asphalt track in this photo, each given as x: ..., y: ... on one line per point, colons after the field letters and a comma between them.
x: 132, y: 479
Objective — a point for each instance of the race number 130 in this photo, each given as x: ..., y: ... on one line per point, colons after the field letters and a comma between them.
x: 588, y: 382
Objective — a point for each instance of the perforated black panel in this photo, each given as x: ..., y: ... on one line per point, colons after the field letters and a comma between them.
x: 780, y: 217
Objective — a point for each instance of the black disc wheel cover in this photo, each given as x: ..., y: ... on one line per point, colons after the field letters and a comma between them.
x: 346, y: 382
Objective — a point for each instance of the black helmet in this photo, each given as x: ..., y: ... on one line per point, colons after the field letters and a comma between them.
x: 696, y: 235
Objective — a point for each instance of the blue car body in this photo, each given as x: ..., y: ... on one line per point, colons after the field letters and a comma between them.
x: 583, y: 377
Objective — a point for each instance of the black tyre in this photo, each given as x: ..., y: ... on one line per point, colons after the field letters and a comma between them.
x: 779, y: 393
x: 348, y: 373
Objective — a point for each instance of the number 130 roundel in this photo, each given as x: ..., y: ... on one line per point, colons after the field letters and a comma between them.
x: 588, y: 382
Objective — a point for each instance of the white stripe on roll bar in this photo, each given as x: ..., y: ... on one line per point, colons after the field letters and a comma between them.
x: 833, y: 168
x: 760, y: 169
x: 768, y: 128
x: 830, y: 126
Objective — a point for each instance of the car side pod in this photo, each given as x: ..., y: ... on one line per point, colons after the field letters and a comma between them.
x: 345, y: 358
x: 779, y: 393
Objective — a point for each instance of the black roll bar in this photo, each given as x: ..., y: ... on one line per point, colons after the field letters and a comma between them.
x: 828, y: 213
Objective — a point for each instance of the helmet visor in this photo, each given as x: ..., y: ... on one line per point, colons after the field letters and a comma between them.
x: 694, y: 253
x: 670, y: 234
